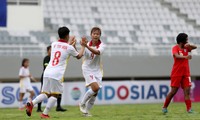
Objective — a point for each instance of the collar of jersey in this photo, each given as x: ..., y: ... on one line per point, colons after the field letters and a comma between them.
x: 61, y: 40
x: 97, y: 45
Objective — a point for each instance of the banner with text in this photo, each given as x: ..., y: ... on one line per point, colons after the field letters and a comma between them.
x: 112, y: 92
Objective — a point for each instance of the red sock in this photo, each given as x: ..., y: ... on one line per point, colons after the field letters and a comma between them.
x: 167, y: 101
x: 188, y: 104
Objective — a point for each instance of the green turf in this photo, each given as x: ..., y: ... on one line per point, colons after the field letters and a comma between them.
x: 176, y: 111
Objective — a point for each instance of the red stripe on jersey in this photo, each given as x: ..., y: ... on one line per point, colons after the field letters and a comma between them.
x: 97, y: 45
x: 61, y: 40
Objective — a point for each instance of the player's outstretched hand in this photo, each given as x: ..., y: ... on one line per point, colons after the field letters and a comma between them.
x: 189, y: 57
x: 84, y: 41
x: 187, y: 45
x: 72, y: 40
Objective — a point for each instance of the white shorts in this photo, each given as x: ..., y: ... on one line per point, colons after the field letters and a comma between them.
x: 90, y: 78
x: 25, y: 87
x: 52, y: 86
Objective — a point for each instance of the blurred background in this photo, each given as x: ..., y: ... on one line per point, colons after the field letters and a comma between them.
x: 139, y: 35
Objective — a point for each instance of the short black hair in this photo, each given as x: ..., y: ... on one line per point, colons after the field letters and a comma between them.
x: 63, y: 32
x: 181, y: 38
x: 95, y: 29
x: 48, y: 47
x: 24, y: 60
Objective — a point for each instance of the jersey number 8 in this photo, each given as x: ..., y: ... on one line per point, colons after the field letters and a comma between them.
x: 56, y: 58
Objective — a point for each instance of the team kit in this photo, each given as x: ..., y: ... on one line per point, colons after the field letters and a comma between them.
x: 91, y: 53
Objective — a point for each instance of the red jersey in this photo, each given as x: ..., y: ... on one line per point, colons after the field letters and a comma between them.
x: 181, y: 66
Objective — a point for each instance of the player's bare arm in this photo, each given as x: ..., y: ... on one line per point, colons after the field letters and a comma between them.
x: 82, y: 49
x: 182, y: 57
x: 191, y: 47
x: 33, y: 79
x: 22, y: 76
x: 94, y: 51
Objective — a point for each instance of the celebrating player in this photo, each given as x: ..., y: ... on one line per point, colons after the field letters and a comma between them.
x: 45, y: 63
x: 25, y: 83
x: 92, y: 69
x: 53, y: 74
x: 180, y: 74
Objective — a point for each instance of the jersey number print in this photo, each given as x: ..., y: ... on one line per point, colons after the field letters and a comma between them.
x: 56, y: 58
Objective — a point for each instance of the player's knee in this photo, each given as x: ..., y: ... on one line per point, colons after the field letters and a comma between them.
x: 96, y: 89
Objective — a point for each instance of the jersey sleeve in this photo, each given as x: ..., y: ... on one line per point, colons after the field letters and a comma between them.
x: 21, y: 72
x: 101, y: 48
x: 73, y: 52
x: 174, y: 50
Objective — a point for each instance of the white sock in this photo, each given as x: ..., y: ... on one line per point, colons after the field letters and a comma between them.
x: 39, y: 98
x: 51, y: 102
x: 90, y: 102
x: 29, y: 99
x: 21, y: 104
x: 87, y: 96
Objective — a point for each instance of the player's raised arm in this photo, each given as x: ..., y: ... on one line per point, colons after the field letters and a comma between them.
x: 190, y: 47
x: 81, y: 52
x: 94, y: 51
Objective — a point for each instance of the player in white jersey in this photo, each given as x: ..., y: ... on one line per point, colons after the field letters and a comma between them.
x: 54, y: 72
x: 25, y: 82
x: 92, y: 70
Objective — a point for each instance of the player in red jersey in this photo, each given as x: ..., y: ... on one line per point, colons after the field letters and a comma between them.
x: 180, y: 74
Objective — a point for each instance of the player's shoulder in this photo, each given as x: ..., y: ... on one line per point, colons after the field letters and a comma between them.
x: 102, y: 44
x: 175, y: 47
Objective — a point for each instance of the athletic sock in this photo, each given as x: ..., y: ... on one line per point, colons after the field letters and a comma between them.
x: 167, y: 101
x: 59, y: 100
x: 188, y: 104
x: 51, y: 102
x: 39, y: 106
x: 90, y: 102
x: 87, y: 96
x: 21, y: 104
x: 39, y: 98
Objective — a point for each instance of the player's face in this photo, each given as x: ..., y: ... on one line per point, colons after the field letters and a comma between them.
x: 96, y: 35
x: 49, y: 52
x: 26, y: 64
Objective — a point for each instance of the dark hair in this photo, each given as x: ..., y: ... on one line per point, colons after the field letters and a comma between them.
x: 24, y: 60
x: 48, y: 48
x: 95, y: 29
x: 181, y: 38
x: 63, y: 32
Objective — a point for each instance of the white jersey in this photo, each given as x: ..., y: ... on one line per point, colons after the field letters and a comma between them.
x: 92, y: 63
x: 24, y: 72
x: 60, y: 53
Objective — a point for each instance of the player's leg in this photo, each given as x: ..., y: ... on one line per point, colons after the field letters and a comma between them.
x: 56, y: 88
x: 21, y: 106
x: 43, y: 96
x: 90, y: 102
x: 94, y: 87
x: 175, y: 83
x: 40, y: 104
x: 59, y: 108
x: 186, y: 85
x: 32, y: 94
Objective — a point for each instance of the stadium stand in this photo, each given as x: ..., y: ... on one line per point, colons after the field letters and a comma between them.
x: 130, y: 27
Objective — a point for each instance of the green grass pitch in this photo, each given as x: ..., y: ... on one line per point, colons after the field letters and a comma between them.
x: 176, y: 111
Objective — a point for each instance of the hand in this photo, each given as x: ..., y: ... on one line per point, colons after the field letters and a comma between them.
x: 187, y: 45
x: 72, y: 40
x: 84, y: 41
x: 29, y: 76
x: 189, y: 57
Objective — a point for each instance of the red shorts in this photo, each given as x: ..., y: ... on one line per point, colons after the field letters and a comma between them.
x: 184, y: 81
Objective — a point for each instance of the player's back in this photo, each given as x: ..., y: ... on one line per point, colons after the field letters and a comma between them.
x: 60, y: 52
